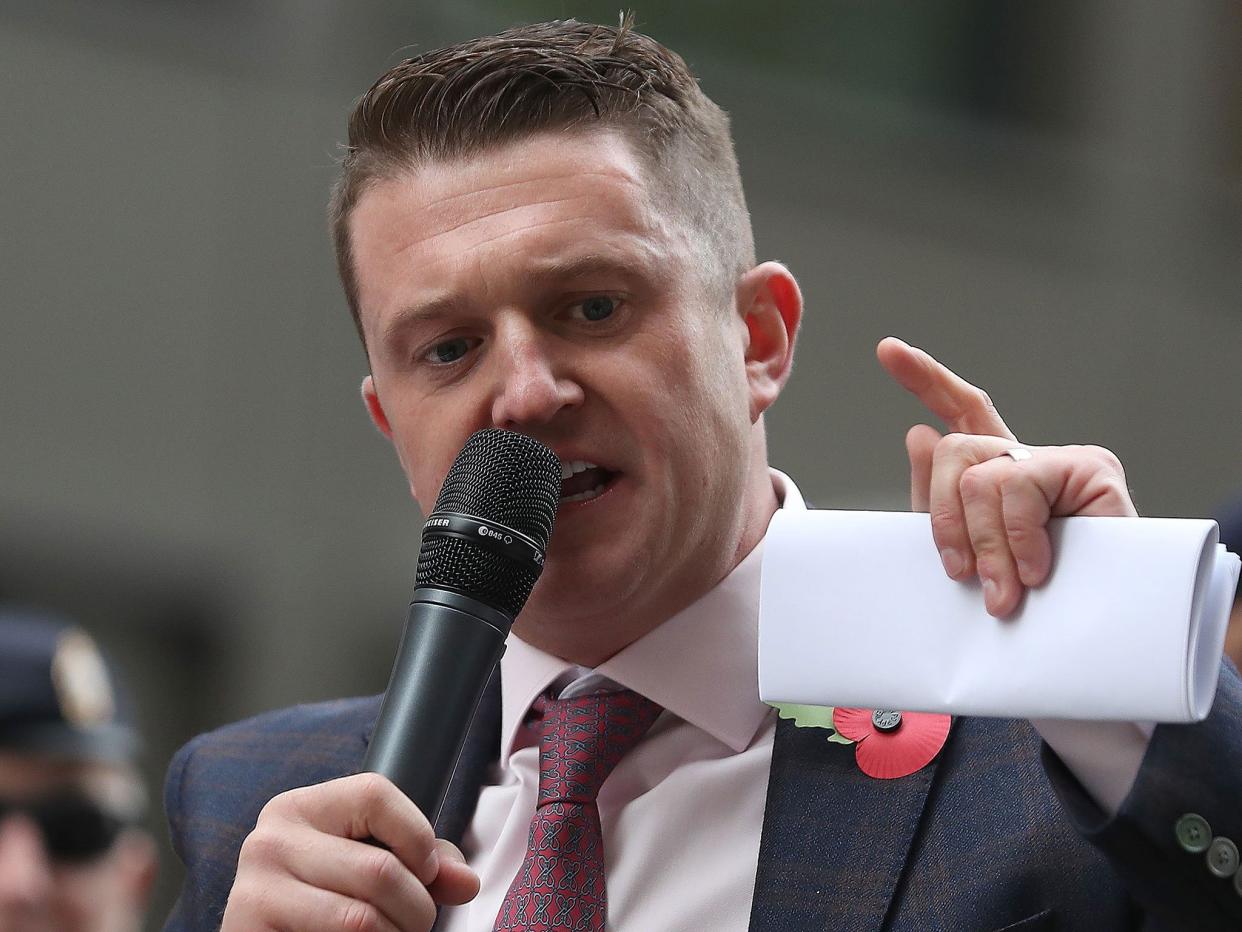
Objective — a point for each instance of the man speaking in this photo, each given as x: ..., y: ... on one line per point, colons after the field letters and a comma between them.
x: 545, y: 231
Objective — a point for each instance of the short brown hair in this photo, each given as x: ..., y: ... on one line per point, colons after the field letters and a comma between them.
x: 460, y: 100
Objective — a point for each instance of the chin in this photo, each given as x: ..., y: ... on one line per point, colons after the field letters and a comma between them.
x: 573, y: 592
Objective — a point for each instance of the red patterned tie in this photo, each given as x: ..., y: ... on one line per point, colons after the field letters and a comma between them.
x: 560, y: 887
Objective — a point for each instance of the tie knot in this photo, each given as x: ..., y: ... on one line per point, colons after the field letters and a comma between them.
x: 583, y: 739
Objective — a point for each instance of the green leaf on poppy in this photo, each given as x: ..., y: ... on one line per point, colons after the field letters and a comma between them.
x: 811, y: 716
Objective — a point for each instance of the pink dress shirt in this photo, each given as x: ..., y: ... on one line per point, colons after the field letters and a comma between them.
x: 682, y: 813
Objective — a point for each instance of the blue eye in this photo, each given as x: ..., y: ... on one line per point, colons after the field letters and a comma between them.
x: 448, y: 351
x: 598, y: 308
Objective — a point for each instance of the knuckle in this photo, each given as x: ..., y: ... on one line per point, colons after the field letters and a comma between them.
x: 262, y: 846
x: 1107, y: 457
x: 944, y: 521
x: 416, y: 825
x: 285, y: 806
x: 371, y: 786
x: 423, y: 911
x: 1017, y: 515
x: 991, y: 564
x: 424, y: 835
x: 1020, y: 500
x: 990, y: 546
x: 952, y: 444
x: 275, y: 808
x: 381, y: 869
x: 982, y: 400
x: 974, y: 483
x: 1012, y: 484
x: 357, y: 916
x: 1021, y: 533
x: 1116, y: 485
x: 249, y: 903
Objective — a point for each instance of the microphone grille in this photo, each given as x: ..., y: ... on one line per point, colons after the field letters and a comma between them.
x: 498, y: 476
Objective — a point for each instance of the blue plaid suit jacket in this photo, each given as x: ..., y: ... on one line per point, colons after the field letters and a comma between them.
x: 995, y: 834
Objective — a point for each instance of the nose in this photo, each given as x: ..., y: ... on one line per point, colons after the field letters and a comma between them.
x: 25, y: 872
x: 532, y: 380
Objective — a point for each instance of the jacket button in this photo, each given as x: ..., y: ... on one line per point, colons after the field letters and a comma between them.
x: 1222, y: 857
x: 1193, y: 833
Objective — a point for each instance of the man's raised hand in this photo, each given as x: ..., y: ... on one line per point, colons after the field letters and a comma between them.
x: 307, y: 865
x: 989, y: 512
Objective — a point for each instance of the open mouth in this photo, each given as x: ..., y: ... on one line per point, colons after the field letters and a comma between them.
x: 582, y: 481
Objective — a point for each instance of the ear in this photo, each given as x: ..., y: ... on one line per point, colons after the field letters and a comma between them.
x: 371, y: 399
x: 770, y: 304
x: 374, y: 408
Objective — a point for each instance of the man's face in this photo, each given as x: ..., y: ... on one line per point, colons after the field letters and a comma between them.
x: 538, y: 288
x: 41, y: 892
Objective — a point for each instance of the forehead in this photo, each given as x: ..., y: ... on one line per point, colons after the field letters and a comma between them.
x: 546, y: 168
x: 533, y: 200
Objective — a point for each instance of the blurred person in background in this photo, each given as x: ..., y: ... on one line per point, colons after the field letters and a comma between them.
x: 1230, y: 521
x: 73, y: 855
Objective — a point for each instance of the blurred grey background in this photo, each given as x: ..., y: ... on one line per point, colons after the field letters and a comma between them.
x: 1047, y: 195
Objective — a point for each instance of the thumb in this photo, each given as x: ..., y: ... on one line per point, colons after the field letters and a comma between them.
x: 921, y: 442
x: 456, y: 883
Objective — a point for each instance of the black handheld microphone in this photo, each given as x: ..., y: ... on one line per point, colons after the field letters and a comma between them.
x: 482, y: 551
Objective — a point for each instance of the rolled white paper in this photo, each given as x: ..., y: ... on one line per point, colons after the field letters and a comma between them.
x: 856, y: 610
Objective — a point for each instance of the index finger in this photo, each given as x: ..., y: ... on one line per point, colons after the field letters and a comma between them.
x: 368, y: 806
x: 964, y: 408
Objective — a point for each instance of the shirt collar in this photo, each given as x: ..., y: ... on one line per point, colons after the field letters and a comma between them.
x: 702, y: 664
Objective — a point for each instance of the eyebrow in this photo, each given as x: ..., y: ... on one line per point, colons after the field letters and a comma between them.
x: 583, y: 266
x: 443, y: 305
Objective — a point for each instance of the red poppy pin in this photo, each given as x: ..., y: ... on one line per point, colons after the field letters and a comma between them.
x: 887, y: 743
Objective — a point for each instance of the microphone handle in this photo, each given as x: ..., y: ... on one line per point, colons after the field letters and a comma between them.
x: 450, y: 646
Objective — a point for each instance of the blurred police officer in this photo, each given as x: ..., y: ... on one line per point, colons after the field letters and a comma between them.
x: 73, y: 856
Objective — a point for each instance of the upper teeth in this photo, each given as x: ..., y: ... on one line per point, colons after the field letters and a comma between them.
x: 570, y: 467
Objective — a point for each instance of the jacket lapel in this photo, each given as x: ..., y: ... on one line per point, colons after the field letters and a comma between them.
x: 835, y: 841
